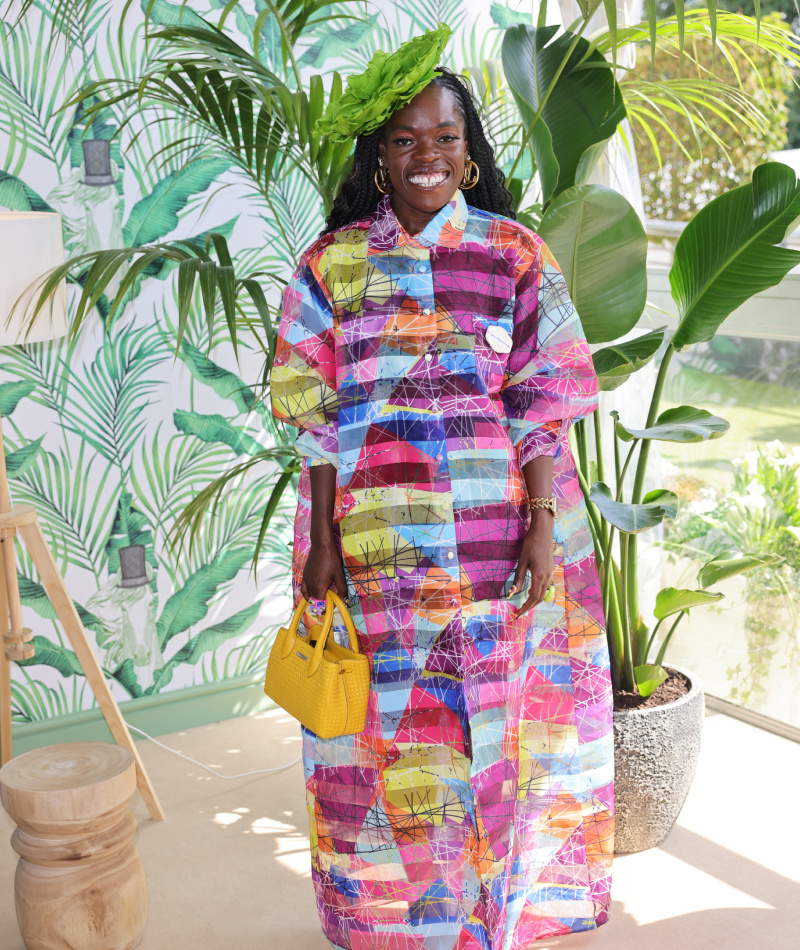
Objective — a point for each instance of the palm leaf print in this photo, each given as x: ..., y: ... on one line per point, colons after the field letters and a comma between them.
x: 109, y: 398
x: 208, y: 640
x: 190, y: 605
x: 75, y: 511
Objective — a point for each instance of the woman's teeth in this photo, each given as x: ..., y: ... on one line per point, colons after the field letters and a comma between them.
x: 428, y: 181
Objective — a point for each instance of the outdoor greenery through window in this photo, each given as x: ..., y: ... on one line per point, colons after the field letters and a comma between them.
x: 741, y: 494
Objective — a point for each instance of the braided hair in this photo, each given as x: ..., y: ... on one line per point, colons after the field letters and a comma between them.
x: 359, y: 196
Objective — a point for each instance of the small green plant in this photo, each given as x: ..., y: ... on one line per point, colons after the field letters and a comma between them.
x: 758, y: 513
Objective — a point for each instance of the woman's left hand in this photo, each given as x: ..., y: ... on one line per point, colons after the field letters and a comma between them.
x: 535, y: 556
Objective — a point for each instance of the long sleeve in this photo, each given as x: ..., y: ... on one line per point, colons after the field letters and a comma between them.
x: 550, y: 380
x: 303, y: 380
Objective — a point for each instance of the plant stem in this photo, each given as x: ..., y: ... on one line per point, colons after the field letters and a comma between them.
x: 598, y: 446
x: 652, y: 640
x: 580, y: 441
x: 627, y: 656
x: 608, y: 562
x: 598, y: 449
x: 641, y: 469
x: 668, y: 637
x: 616, y: 461
x: 621, y: 478
x: 594, y: 516
x: 614, y: 635
x: 655, y: 402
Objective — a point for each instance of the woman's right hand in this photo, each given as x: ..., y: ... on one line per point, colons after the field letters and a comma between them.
x: 324, y: 570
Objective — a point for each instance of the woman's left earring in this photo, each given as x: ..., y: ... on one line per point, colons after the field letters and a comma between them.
x: 471, y: 175
x: 382, y: 181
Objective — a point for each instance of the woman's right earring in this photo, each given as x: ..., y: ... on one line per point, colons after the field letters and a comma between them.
x: 382, y: 181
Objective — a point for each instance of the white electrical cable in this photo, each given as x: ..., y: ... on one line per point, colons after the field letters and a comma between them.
x: 208, y: 768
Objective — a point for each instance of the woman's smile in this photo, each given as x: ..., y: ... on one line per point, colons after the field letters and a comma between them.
x: 428, y: 180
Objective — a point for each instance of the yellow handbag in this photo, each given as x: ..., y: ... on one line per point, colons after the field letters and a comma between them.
x: 319, y: 682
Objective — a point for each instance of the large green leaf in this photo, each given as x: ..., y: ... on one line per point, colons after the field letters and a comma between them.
x: 614, y: 364
x: 12, y: 393
x: 648, y: 678
x: 224, y: 383
x: 632, y: 519
x: 601, y: 246
x: 584, y: 107
x: 162, y: 13
x: 337, y: 43
x: 17, y: 196
x: 216, y: 429
x: 728, y: 252
x: 125, y: 675
x: 503, y: 17
x: 33, y: 595
x: 190, y: 604
x: 209, y: 639
x: 54, y: 655
x: 722, y: 567
x: 156, y: 215
x: 681, y: 424
x: 672, y: 600
x: 18, y: 463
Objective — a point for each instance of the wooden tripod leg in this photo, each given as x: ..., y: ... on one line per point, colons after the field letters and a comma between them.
x: 6, y: 748
x: 68, y: 615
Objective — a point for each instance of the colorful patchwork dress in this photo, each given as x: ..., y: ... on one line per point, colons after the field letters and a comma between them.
x: 475, y: 811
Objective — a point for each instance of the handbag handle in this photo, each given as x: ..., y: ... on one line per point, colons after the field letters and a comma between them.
x: 332, y: 599
x: 294, y: 627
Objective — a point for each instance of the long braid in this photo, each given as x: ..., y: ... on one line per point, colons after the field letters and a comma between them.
x: 359, y: 197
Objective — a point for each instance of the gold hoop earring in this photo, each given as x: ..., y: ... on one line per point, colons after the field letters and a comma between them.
x: 474, y: 173
x: 382, y: 181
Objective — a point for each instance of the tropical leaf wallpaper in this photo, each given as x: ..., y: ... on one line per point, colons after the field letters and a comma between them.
x: 112, y: 439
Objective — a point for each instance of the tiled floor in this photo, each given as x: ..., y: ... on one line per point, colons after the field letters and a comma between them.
x: 229, y: 869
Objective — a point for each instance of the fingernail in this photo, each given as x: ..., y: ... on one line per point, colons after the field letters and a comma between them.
x: 512, y: 591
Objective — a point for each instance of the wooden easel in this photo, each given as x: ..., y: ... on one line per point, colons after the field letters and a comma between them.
x: 17, y: 644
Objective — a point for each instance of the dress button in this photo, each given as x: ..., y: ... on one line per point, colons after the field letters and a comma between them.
x: 422, y: 268
x: 450, y: 555
x: 453, y: 602
x: 428, y: 357
x: 427, y: 311
x: 439, y: 458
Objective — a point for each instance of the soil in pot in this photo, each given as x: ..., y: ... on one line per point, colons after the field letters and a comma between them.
x: 671, y: 690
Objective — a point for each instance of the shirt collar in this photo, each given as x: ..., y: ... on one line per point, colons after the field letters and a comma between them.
x: 444, y: 229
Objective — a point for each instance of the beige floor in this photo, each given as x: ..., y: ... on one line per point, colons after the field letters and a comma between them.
x: 229, y: 869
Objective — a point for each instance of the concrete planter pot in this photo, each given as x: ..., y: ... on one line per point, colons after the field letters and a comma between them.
x: 655, y: 757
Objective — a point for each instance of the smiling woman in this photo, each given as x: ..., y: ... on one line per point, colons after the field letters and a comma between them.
x: 433, y: 361
x: 444, y: 114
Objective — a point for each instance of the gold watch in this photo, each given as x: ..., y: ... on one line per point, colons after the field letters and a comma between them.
x: 550, y: 503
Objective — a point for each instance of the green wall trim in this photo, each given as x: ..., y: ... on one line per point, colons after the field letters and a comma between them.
x: 157, y: 715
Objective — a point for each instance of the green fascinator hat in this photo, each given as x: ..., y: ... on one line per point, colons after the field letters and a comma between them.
x: 389, y: 82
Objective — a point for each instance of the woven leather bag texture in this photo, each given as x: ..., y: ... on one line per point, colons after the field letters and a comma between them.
x: 322, y: 684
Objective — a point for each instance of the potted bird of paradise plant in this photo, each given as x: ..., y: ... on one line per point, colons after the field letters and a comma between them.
x: 727, y: 253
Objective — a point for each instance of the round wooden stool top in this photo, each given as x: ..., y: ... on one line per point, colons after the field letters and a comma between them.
x: 71, y: 782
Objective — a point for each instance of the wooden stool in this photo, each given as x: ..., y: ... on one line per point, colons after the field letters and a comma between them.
x: 80, y: 882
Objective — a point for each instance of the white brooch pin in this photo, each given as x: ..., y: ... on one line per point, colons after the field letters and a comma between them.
x: 499, y: 339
